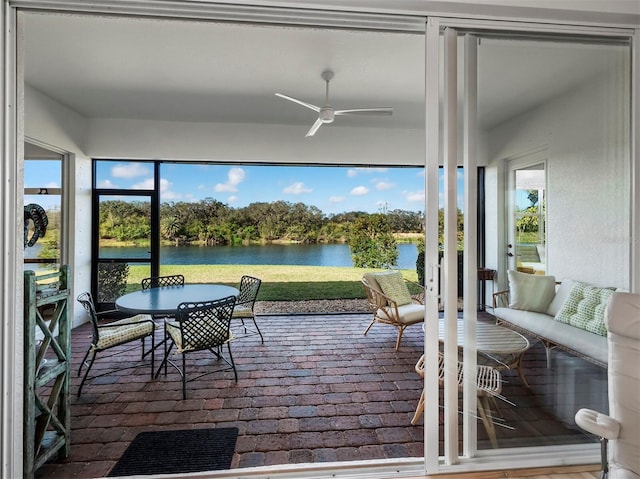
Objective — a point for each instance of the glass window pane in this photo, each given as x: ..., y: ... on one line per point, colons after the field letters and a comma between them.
x: 125, y: 227
x: 43, y: 189
x: 42, y: 173
x: 116, y: 279
x: 124, y: 175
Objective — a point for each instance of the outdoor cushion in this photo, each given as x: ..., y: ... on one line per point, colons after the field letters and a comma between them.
x: 241, y: 311
x: 407, y: 314
x: 585, y: 307
x: 373, y: 282
x: 530, y: 292
x: 112, y: 336
x: 394, y: 287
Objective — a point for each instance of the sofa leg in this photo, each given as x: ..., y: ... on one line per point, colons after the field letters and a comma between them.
x: 548, y: 348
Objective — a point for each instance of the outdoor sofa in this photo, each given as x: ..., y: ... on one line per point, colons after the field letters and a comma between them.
x: 568, y: 315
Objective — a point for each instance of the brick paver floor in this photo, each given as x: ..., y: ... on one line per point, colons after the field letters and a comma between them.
x: 317, y: 390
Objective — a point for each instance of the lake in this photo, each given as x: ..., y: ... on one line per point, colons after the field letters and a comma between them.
x: 296, y: 254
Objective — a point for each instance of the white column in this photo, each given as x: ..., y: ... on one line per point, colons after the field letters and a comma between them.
x: 450, y: 260
x: 11, y: 315
x: 470, y: 211
x: 431, y: 271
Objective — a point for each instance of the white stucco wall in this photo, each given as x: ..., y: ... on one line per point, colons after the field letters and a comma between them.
x: 50, y: 123
x: 588, y: 190
x: 245, y: 142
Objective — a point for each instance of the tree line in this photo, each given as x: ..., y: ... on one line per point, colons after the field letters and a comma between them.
x: 211, y: 222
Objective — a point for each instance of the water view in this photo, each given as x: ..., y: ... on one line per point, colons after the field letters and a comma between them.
x: 299, y: 254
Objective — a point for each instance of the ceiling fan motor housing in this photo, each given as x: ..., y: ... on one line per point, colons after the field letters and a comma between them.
x: 326, y: 114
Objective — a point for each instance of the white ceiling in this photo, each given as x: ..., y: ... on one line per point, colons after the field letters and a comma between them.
x: 115, y: 67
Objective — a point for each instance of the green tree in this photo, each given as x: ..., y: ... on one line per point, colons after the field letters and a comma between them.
x: 372, y: 244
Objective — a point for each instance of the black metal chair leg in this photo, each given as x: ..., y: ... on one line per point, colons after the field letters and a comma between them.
x: 233, y: 364
x: 83, y: 361
x: 165, y: 360
x: 93, y: 358
x: 184, y: 376
x: 258, y: 329
x: 153, y: 354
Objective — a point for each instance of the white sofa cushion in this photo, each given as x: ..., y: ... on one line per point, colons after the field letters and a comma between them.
x: 530, y: 292
x: 543, y: 325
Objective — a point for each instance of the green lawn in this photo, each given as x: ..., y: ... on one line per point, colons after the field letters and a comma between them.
x: 279, y: 282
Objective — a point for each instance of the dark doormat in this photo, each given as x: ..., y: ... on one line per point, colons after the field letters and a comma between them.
x: 177, y: 452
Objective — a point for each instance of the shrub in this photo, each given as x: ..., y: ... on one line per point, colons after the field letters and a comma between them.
x: 112, y: 281
x: 372, y: 244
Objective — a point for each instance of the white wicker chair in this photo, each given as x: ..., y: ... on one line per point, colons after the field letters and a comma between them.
x: 489, y: 386
x: 387, y: 310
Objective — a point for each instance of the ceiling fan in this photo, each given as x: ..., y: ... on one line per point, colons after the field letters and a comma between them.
x: 327, y: 113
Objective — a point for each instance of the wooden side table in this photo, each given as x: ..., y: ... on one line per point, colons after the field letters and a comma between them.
x: 484, y: 275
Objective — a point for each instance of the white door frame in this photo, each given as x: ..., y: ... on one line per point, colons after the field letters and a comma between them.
x: 533, y: 157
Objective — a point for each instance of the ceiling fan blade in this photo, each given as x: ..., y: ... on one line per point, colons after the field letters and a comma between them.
x: 314, y: 127
x: 299, y: 102
x: 366, y: 111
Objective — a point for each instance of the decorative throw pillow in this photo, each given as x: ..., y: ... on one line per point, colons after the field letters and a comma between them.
x: 561, y: 296
x: 585, y: 307
x: 530, y: 292
x: 394, y: 287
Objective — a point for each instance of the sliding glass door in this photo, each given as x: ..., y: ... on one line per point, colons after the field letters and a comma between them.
x: 547, y: 115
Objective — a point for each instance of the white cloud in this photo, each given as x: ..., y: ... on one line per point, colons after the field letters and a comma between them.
x: 296, y: 188
x: 130, y: 170
x: 336, y: 199
x: 166, y: 193
x: 146, y: 184
x: 384, y: 185
x: 414, y: 196
x: 106, y: 184
x: 359, y: 191
x: 351, y: 172
x: 232, y: 199
x: 225, y: 188
x: 165, y: 188
x: 234, y: 178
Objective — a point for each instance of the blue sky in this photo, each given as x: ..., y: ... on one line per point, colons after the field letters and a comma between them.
x: 331, y: 189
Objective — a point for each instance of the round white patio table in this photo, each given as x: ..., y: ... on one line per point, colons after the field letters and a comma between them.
x: 165, y: 300
x: 503, y: 347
